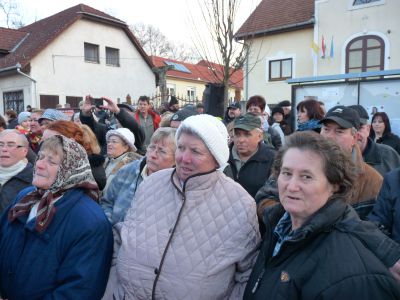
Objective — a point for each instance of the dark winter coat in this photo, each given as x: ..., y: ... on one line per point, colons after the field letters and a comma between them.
x: 323, y: 260
x: 69, y: 260
x: 13, y: 186
x: 391, y: 140
x: 382, y: 158
x: 255, y: 171
x: 96, y: 164
x: 124, y: 118
x: 386, y: 211
x: 12, y: 123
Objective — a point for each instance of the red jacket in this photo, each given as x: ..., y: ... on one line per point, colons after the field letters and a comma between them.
x: 156, y: 118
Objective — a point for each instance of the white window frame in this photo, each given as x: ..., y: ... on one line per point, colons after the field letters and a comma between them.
x: 361, y: 6
x: 191, y: 93
x: 171, y: 87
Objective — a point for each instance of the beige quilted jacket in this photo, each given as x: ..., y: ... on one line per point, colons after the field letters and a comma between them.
x: 212, y: 250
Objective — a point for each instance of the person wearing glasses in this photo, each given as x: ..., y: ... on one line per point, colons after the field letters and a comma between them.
x: 160, y: 155
x: 15, y: 171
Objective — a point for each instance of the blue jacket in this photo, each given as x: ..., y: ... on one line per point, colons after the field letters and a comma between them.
x: 386, y: 210
x: 121, y: 191
x: 69, y: 260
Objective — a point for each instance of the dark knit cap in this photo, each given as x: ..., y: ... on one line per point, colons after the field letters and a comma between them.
x: 173, y: 101
x: 284, y: 103
x: 277, y: 109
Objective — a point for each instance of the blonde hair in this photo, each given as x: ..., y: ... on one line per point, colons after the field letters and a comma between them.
x: 91, y: 139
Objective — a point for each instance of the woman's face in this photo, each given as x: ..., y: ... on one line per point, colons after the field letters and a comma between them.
x: 192, y: 157
x: 303, y: 186
x: 116, y: 146
x: 27, y: 124
x: 377, y: 125
x: 46, y: 169
x: 160, y: 155
x: 302, y: 115
x: 278, y: 117
x: 254, y: 109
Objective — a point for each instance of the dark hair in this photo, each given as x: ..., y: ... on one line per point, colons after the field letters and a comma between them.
x: 385, y: 119
x: 256, y: 101
x: 12, y: 114
x: 338, y: 166
x: 144, y: 98
x: 313, y: 108
x: 3, y: 123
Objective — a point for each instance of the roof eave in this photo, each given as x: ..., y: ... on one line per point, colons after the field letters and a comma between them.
x: 279, y: 29
x: 10, y: 70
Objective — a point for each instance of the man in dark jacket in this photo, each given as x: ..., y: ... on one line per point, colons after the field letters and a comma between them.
x: 250, y: 160
x: 123, y: 114
x: 382, y: 158
x: 232, y: 112
x: 15, y: 172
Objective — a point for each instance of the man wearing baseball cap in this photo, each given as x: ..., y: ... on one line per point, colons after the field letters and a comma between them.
x: 341, y: 124
x: 250, y: 159
x: 232, y: 112
x: 381, y: 157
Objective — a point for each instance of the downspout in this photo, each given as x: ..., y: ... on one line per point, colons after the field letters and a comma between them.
x: 33, y: 84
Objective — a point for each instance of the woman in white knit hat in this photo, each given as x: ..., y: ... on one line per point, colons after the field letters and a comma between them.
x: 121, y: 150
x: 192, y: 232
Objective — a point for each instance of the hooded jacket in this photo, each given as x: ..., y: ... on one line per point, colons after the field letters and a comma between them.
x: 322, y: 260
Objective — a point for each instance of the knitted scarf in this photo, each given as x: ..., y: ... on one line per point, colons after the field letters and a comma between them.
x: 74, y: 172
x: 309, y: 125
x: 6, y: 173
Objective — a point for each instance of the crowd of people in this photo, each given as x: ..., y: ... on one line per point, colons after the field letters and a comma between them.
x: 122, y: 203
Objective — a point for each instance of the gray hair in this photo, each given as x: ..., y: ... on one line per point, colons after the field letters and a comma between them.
x: 164, y: 134
x: 22, y: 138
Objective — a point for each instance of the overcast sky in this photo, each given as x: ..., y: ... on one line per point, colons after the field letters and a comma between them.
x: 172, y: 17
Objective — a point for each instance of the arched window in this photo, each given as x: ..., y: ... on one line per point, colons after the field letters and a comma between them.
x: 365, y: 53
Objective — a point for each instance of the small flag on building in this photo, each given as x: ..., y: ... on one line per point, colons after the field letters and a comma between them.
x: 331, y: 54
x: 323, y: 47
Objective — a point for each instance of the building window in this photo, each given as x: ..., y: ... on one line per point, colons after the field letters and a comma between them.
x: 112, y: 57
x: 92, y: 53
x: 14, y: 100
x: 360, y: 2
x: 280, y: 69
x: 171, y: 89
x: 191, y: 93
x: 73, y: 101
x: 365, y: 54
x: 48, y: 101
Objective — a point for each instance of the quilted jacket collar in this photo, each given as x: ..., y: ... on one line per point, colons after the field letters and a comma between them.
x: 201, y: 181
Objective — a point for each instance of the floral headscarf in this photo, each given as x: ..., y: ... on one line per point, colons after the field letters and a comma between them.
x: 74, y: 172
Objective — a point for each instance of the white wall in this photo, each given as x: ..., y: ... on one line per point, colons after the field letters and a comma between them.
x: 60, y: 68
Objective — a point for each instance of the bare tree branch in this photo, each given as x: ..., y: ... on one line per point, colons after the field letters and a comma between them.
x: 10, y: 14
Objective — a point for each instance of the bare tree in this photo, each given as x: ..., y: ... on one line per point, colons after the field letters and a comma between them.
x: 11, y: 13
x: 154, y: 42
x: 219, y: 17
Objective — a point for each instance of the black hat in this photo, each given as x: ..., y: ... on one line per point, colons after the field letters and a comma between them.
x: 284, y: 103
x: 277, y: 109
x: 126, y: 106
x: 362, y: 113
x: 247, y: 122
x: 184, y: 113
x: 234, y: 105
x: 173, y: 101
x: 346, y: 117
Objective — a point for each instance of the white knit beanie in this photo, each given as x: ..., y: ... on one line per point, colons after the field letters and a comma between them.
x: 212, y: 132
x: 125, y: 134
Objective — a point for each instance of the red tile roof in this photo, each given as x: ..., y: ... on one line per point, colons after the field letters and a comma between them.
x: 200, y: 72
x: 9, y: 38
x: 43, y: 32
x: 273, y: 16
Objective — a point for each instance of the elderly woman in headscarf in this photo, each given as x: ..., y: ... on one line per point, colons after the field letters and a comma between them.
x: 55, y: 241
x: 192, y: 232
x: 121, y: 150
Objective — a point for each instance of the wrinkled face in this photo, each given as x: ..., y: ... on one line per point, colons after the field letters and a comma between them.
x: 143, y: 106
x: 302, y: 184
x: 302, y: 116
x: 116, y: 146
x: 278, y: 117
x: 233, y: 113
x: 246, y: 142
x: 192, y: 157
x: 160, y: 155
x: 255, y: 110
x: 35, y: 127
x: 12, y: 150
x: 343, y: 137
x: 362, y: 135
x: 46, y: 169
x: 378, y: 125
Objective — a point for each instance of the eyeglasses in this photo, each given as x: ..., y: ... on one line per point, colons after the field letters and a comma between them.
x: 162, y: 152
x: 11, y: 146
